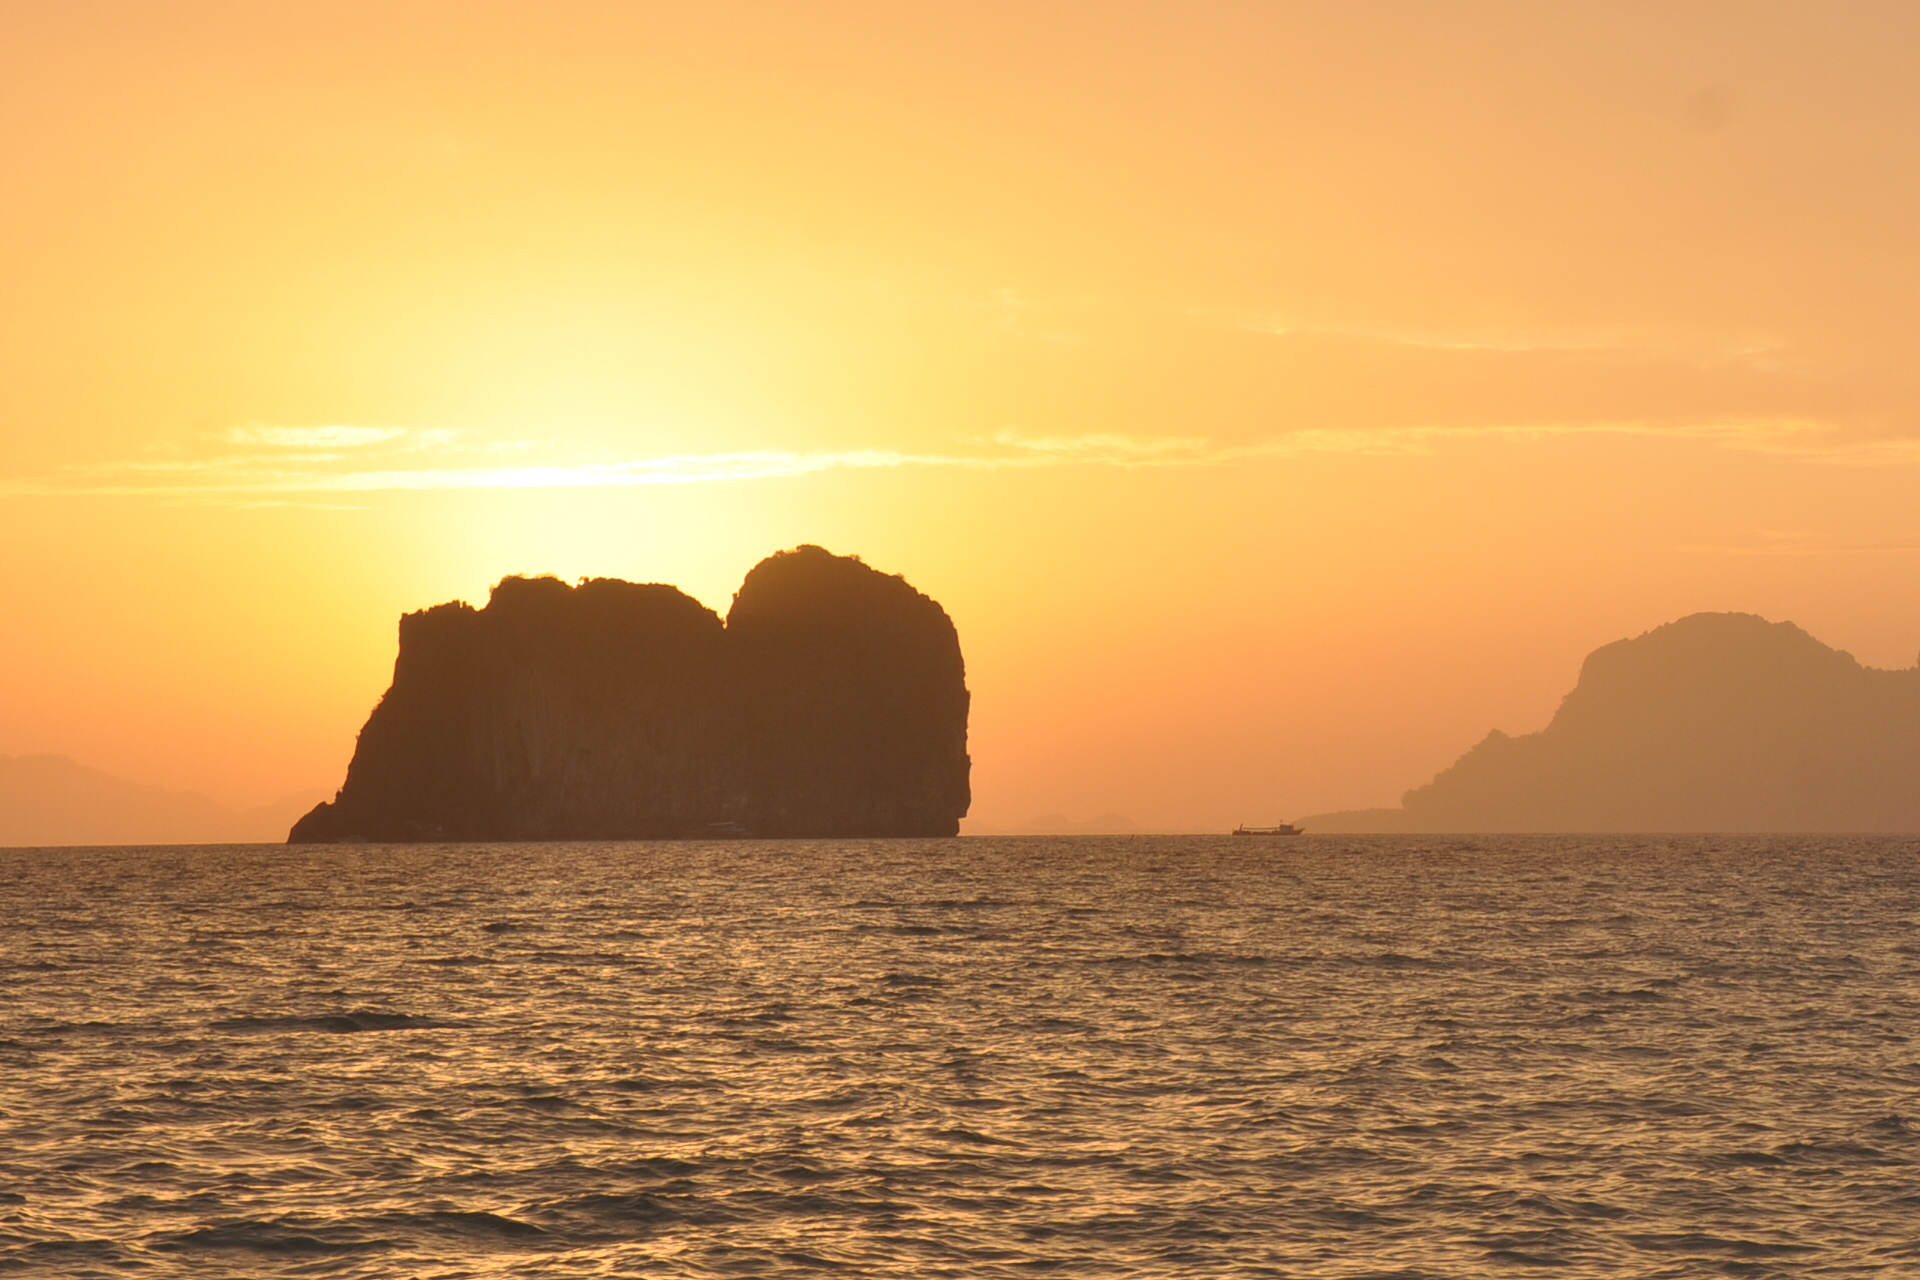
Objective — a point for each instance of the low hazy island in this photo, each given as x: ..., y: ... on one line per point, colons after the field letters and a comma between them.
x: 54, y: 800
x: 831, y: 702
x: 1717, y: 722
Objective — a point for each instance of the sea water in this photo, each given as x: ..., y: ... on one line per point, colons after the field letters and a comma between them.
x: 979, y: 1057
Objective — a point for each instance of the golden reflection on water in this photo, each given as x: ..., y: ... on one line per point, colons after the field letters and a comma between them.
x: 1102, y: 1056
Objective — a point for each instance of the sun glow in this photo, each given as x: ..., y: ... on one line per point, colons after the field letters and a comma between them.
x: 1277, y: 398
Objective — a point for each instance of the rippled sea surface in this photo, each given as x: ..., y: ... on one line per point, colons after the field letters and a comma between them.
x: 1093, y: 1056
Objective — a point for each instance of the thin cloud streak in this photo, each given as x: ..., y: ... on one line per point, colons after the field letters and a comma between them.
x: 350, y: 460
x: 1804, y: 545
x: 315, y: 437
x: 1641, y: 344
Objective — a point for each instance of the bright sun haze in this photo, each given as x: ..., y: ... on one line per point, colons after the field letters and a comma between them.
x: 1278, y: 397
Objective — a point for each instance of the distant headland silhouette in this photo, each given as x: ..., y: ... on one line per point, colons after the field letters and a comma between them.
x: 1717, y: 722
x: 54, y: 800
x: 831, y: 702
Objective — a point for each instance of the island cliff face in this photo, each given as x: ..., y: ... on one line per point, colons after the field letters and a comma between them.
x: 1717, y: 722
x: 832, y: 702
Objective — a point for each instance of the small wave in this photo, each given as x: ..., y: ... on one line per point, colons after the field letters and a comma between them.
x: 1197, y: 958
x: 269, y: 1238
x: 1698, y: 1242
x: 840, y: 1100
x: 1821, y: 1152
x: 637, y: 1084
x: 1397, y: 960
x: 1521, y: 1258
x: 973, y: 1137
x: 1750, y: 1159
x: 63, y: 1257
x: 465, y: 1222
x: 607, y: 1209
x: 545, y: 1102
x: 1571, y: 1208
x: 336, y: 1023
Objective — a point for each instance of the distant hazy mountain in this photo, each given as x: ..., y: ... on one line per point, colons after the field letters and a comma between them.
x: 1717, y: 722
x: 51, y: 800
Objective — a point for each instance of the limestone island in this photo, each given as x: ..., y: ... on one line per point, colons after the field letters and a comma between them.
x: 832, y: 702
x: 1718, y: 722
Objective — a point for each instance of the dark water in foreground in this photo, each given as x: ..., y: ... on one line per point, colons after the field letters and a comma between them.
x: 1092, y: 1056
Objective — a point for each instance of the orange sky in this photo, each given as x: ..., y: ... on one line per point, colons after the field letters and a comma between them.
x: 1278, y: 396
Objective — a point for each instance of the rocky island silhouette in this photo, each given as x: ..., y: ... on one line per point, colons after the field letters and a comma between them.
x: 831, y: 702
x: 1719, y: 722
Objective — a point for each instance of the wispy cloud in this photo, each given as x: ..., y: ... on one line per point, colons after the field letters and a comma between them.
x: 269, y: 464
x: 1518, y: 341
x: 335, y: 437
x: 251, y: 462
x: 1808, y: 546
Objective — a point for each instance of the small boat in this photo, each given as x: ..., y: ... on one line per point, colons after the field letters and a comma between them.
x: 1284, y: 829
